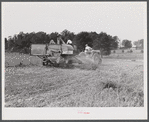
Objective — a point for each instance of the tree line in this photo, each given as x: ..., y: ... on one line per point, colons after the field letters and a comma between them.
x: 99, y: 41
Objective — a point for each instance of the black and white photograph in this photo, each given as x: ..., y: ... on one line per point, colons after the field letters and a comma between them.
x: 74, y: 60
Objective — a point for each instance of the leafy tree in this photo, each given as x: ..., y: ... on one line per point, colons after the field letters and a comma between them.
x: 139, y: 43
x: 103, y: 43
x: 67, y: 35
x: 32, y: 38
x: 40, y: 38
x: 81, y: 40
x: 135, y: 43
x: 126, y: 43
x: 6, y: 44
x: 114, y: 42
x: 123, y: 42
x: 28, y: 38
x: 93, y: 35
x: 11, y: 43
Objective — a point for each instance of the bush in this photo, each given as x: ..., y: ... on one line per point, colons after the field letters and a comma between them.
x: 131, y: 51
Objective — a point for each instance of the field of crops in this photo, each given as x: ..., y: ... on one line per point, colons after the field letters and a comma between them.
x: 117, y: 82
x: 16, y: 59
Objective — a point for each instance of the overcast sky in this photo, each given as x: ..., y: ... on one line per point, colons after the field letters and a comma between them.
x: 126, y: 20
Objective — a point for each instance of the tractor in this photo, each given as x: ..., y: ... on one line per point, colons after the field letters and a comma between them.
x: 62, y: 53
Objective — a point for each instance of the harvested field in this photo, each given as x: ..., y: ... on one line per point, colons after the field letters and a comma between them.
x: 115, y: 83
x: 136, y: 54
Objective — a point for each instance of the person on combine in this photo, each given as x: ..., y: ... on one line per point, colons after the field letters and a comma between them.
x: 69, y: 42
x: 88, y: 49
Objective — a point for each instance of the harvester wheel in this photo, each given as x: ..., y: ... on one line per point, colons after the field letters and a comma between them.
x: 44, y: 62
x: 69, y: 64
x: 97, y: 58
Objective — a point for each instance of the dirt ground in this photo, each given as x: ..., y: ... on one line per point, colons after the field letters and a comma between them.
x: 116, y: 83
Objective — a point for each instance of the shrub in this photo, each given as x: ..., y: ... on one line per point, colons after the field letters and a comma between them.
x: 131, y: 51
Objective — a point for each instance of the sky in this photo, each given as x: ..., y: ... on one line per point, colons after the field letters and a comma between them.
x: 127, y: 20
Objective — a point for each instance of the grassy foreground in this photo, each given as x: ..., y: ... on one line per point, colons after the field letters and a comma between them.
x: 116, y: 83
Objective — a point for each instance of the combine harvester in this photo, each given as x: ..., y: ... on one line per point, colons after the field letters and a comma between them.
x: 62, y: 53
